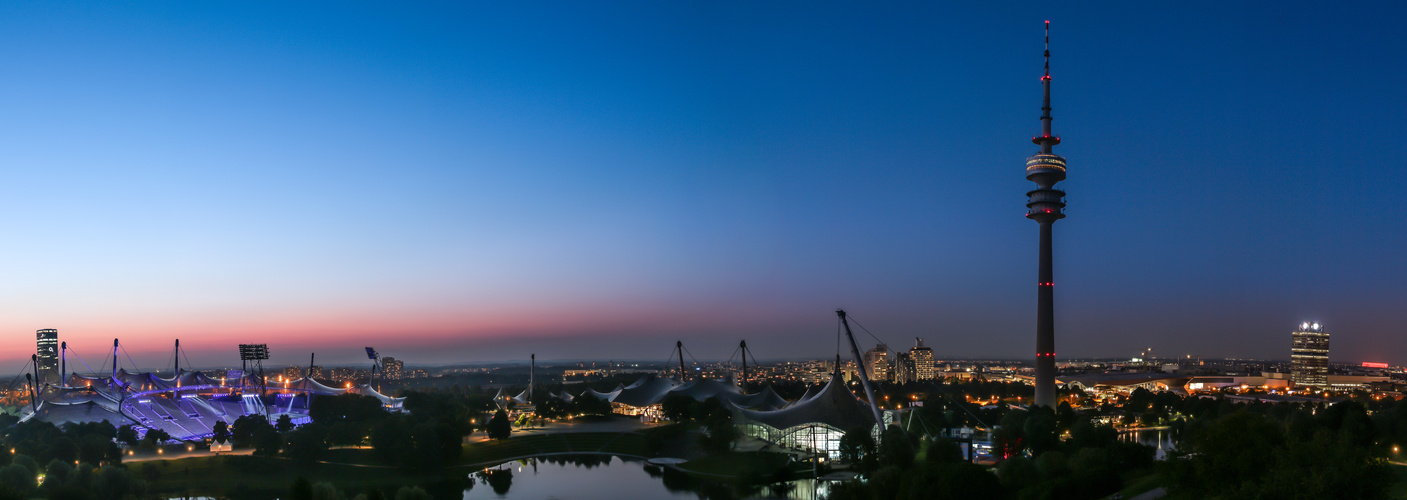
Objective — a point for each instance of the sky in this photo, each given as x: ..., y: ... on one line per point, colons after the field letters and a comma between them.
x: 461, y: 182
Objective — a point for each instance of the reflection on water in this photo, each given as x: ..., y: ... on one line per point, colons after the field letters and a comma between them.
x: 591, y: 477
x: 1160, y: 439
x: 575, y: 477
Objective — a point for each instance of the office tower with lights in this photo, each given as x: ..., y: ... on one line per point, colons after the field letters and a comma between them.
x: 923, y: 360
x: 1045, y: 205
x: 877, y: 363
x: 1309, y: 356
x: 395, y: 368
x: 904, y: 369
x: 47, y: 347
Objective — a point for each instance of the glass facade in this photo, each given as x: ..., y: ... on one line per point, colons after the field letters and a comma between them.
x: 1309, y: 356
x: 47, y: 347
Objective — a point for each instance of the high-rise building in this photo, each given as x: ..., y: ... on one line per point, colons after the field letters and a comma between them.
x: 923, y: 360
x: 1309, y: 356
x: 877, y: 363
x: 47, y: 347
x: 315, y: 372
x: 1045, y: 205
x: 904, y: 370
x: 394, y: 368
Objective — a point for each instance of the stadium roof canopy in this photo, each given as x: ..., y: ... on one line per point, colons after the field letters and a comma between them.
x: 834, y: 405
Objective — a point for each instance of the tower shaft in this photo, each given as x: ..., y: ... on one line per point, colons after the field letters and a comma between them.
x: 1045, y: 324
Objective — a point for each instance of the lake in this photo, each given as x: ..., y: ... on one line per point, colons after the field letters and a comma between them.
x: 604, y: 477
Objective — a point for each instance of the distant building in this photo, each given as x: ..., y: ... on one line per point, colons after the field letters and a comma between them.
x: 47, y: 347
x: 315, y: 371
x: 923, y: 360
x: 1309, y: 356
x: 904, y: 368
x: 395, y: 368
x: 877, y: 363
x: 291, y: 373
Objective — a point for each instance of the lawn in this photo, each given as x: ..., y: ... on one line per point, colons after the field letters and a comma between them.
x: 257, y: 477
x: 741, y: 464
x: 357, y: 469
x: 1138, y: 484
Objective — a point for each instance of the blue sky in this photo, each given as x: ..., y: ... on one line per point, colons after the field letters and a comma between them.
x: 454, y: 182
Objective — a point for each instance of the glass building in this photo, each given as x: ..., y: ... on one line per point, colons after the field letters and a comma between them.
x: 47, y: 346
x: 1309, y: 356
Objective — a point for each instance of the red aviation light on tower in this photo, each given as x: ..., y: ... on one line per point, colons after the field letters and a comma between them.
x: 1367, y: 364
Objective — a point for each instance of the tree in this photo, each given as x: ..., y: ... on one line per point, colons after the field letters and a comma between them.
x: 56, y: 474
x: 285, y: 424
x: 499, y: 427
x: 301, y: 489
x: 126, y: 434
x: 678, y: 407
x: 857, y: 447
x: 95, y: 449
x: 267, y: 441
x: 246, y: 428
x: 587, y: 404
x: 895, y: 448
x: 307, y: 444
x: 115, y: 483
x: 222, y: 431
x: 412, y: 493
x: 155, y: 437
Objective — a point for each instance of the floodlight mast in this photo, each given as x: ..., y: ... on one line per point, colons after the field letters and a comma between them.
x: 256, y: 353
x: 860, y: 365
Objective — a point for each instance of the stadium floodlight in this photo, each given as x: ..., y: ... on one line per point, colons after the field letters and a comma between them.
x: 371, y: 353
x: 253, y: 352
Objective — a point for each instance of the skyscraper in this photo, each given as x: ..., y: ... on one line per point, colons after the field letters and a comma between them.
x: 877, y: 363
x: 1045, y: 205
x: 923, y: 360
x: 1309, y: 356
x: 47, y: 347
x: 904, y: 369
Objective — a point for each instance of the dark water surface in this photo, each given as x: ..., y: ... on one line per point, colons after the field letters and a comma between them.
x: 603, y: 477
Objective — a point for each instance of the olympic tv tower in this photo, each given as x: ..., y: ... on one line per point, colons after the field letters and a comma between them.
x: 1045, y: 205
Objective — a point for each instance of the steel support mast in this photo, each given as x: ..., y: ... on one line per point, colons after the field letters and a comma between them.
x: 859, y: 363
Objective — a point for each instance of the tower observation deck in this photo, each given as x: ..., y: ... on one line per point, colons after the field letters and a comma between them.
x: 1045, y: 205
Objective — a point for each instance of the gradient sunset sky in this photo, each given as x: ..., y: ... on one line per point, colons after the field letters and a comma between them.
x: 476, y: 182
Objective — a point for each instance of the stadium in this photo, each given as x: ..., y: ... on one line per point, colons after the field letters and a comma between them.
x: 186, y: 404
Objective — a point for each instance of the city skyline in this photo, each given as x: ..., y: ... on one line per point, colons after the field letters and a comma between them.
x: 473, y: 183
